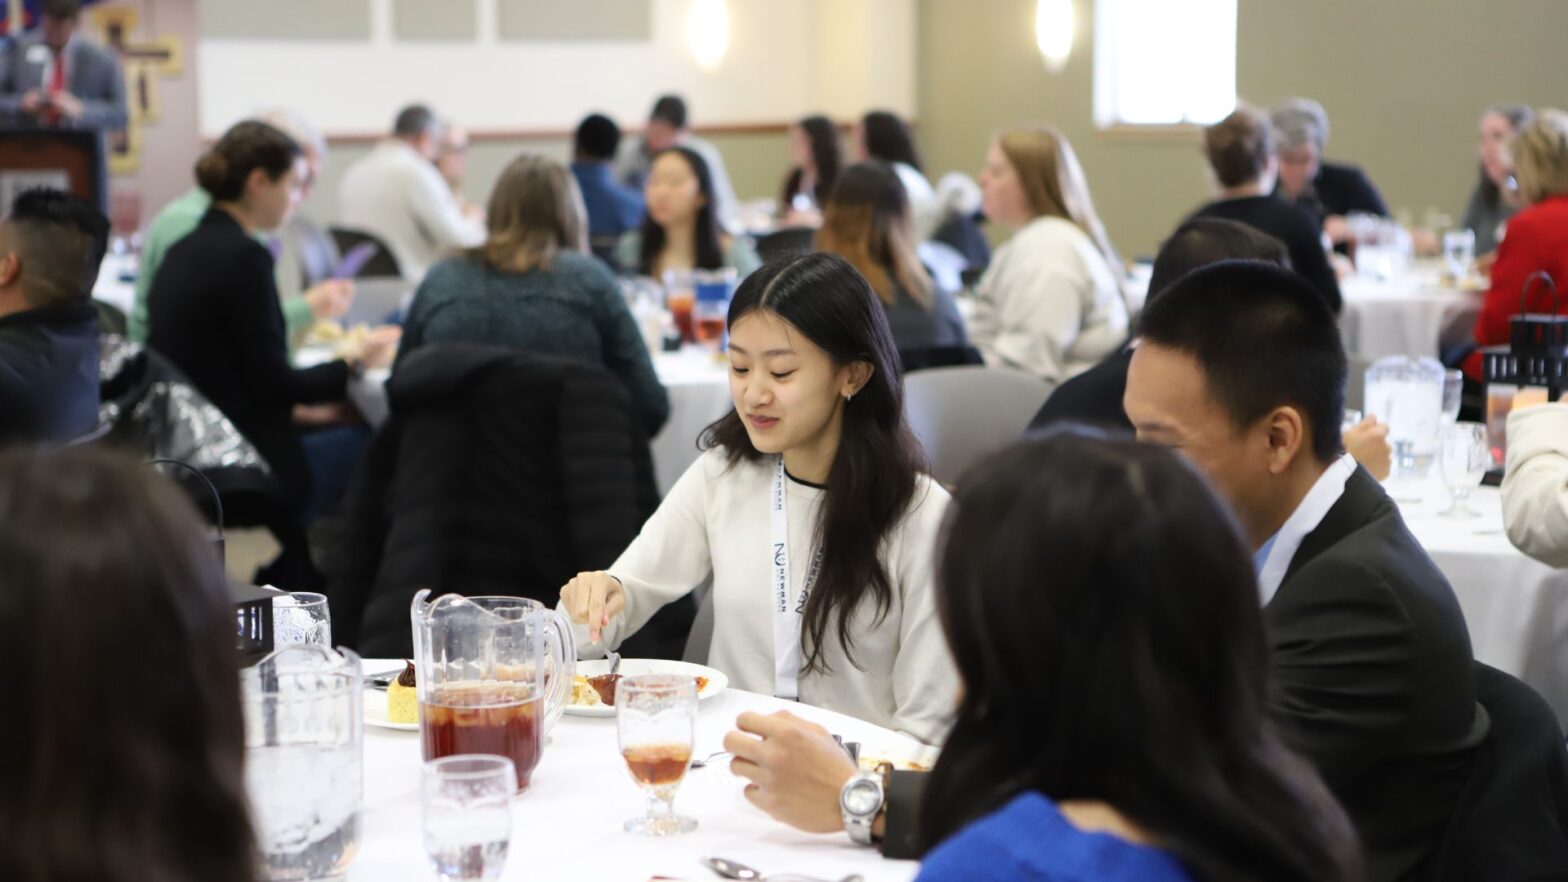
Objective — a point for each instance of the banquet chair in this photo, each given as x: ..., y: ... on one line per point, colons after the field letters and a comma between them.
x: 1511, y: 821
x: 963, y: 414
x: 1356, y: 382
x: 785, y: 243
x: 384, y: 263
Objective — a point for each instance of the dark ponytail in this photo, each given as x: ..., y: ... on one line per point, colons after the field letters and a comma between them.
x: 223, y: 170
x: 872, y: 480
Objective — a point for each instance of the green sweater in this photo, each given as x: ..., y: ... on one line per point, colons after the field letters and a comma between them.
x: 173, y: 223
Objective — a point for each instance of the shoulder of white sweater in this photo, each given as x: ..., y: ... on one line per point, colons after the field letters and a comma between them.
x: 1537, y: 430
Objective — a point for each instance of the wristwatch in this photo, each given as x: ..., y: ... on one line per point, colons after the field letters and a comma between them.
x: 860, y: 801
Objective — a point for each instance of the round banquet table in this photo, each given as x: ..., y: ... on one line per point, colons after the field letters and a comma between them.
x: 1412, y: 314
x: 1515, y: 606
x: 697, y: 383
x: 567, y: 825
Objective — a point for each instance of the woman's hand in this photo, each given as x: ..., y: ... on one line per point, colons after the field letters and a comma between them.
x: 593, y: 599
x: 330, y: 299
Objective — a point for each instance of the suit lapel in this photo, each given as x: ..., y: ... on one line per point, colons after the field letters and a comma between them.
x: 1356, y: 505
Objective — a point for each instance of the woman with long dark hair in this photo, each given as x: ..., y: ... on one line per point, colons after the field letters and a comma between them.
x: 813, y: 482
x: 868, y: 222
x: 680, y: 230
x: 1491, y: 205
x: 1103, y: 614
x: 882, y: 136
x: 814, y: 148
x: 123, y: 747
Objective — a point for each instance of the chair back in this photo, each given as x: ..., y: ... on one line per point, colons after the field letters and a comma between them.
x: 1511, y: 821
x: 785, y: 243
x: 318, y: 253
x: 383, y: 264
x: 963, y: 414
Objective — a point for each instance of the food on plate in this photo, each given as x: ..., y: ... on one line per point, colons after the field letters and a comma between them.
x: 600, y: 691
x: 403, y: 698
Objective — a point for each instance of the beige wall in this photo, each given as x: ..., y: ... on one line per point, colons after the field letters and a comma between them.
x: 1403, y: 82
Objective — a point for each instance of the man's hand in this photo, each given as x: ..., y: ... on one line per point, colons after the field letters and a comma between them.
x: 69, y: 105
x: 1337, y: 228
x: 796, y: 769
x: 1367, y: 442
x: 330, y: 299
x: 33, y: 102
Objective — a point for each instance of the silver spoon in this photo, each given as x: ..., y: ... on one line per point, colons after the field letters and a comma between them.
x: 734, y: 870
x: 615, y: 662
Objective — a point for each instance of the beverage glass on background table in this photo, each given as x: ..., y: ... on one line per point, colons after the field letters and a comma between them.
x: 1453, y: 394
x: 1407, y: 394
x: 711, y: 313
x: 467, y: 803
x: 494, y: 675
x: 680, y: 296
x: 1459, y: 252
x: 656, y: 719
x: 1463, y: 457
x: 301, y: 617
x: 304, y: 761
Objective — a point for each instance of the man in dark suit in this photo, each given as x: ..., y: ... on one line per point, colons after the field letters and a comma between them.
x: 55, y: 77
x: 1241, y: 368
x: 50, y: 248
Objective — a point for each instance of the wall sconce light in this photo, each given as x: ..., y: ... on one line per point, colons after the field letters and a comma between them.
x: 708, y: 32
x: 1053, y: 32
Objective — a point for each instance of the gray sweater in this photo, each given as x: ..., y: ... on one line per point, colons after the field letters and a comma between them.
x: 572, y: 310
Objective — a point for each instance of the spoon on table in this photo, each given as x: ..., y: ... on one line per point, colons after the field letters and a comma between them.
x: 733, y: 870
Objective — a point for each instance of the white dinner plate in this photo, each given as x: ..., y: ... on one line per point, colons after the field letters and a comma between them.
x: 376, y: 712
x: 717, y: 682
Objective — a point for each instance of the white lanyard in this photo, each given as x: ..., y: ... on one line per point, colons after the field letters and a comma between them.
x: 787, y: 610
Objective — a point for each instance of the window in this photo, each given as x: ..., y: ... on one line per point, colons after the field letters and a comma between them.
x: 1164, y: 62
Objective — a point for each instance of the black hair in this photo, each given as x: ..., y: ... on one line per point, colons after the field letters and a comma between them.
x: 887, y: 139
x: 872, y: 481
x: 710, y: 249
x: 1264, y: 337
x: 1102, y: 611
x: 223, y: 170
x: 61, y: 10
x: 61, y: 240
x: 1205, y: 240
x: 826, y: 156
x: 413, y: 121
x: 670, y: 109
x: 598, y: 137
x: 124, y: 744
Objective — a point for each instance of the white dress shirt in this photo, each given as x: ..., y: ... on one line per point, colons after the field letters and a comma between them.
x: 1278, y: 552
x: 400, y: 196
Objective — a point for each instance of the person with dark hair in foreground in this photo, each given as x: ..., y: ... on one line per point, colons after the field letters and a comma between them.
x: 123, y: 746
x: 813, y: 481
x: 1242, y: 369
x: 1180, y: 776
x: 50, y: 248
x: 613, y: 208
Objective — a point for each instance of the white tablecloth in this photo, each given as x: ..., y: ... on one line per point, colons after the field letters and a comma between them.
x: 116, y: 283
x: 567, y: 826
x: 1410, y: 315
x: 1516, y: 607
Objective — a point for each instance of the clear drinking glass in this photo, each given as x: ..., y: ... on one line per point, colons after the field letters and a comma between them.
x: 468, y: 815
x: 1459, y: 252
x: 301, y: 618
x: 656, y: 718
x: 1464, y: 456
x: 1453, y: 393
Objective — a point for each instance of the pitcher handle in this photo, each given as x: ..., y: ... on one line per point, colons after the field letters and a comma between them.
x: 562, y: 648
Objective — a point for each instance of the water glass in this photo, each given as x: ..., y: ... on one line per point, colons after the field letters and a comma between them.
x: 301, y: 618
x: 468, y: 815
x: 1453, y: 394
x: 1463, y: 456
x: 656, y: 719
x: 1459, y: 251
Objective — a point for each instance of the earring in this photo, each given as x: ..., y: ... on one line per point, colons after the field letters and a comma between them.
x: 848, y: 396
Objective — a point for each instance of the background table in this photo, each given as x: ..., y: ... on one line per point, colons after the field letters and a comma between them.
x: 1412, y: 314
x: 1515, y: 607
x: 567, y: 826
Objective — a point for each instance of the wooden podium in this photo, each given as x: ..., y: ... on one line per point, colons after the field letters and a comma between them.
x: 68, y: 159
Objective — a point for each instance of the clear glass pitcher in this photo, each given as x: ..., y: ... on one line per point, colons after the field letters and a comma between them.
x: 1407, y: 394
x: 304, y: 760
x: 494, y: 675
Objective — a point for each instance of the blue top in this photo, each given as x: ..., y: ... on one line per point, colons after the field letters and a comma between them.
x: 613, y: 208
x: 572, y: 310
x: 1028, y: 840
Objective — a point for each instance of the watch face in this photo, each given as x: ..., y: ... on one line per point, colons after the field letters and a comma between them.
x: 863, y: 798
